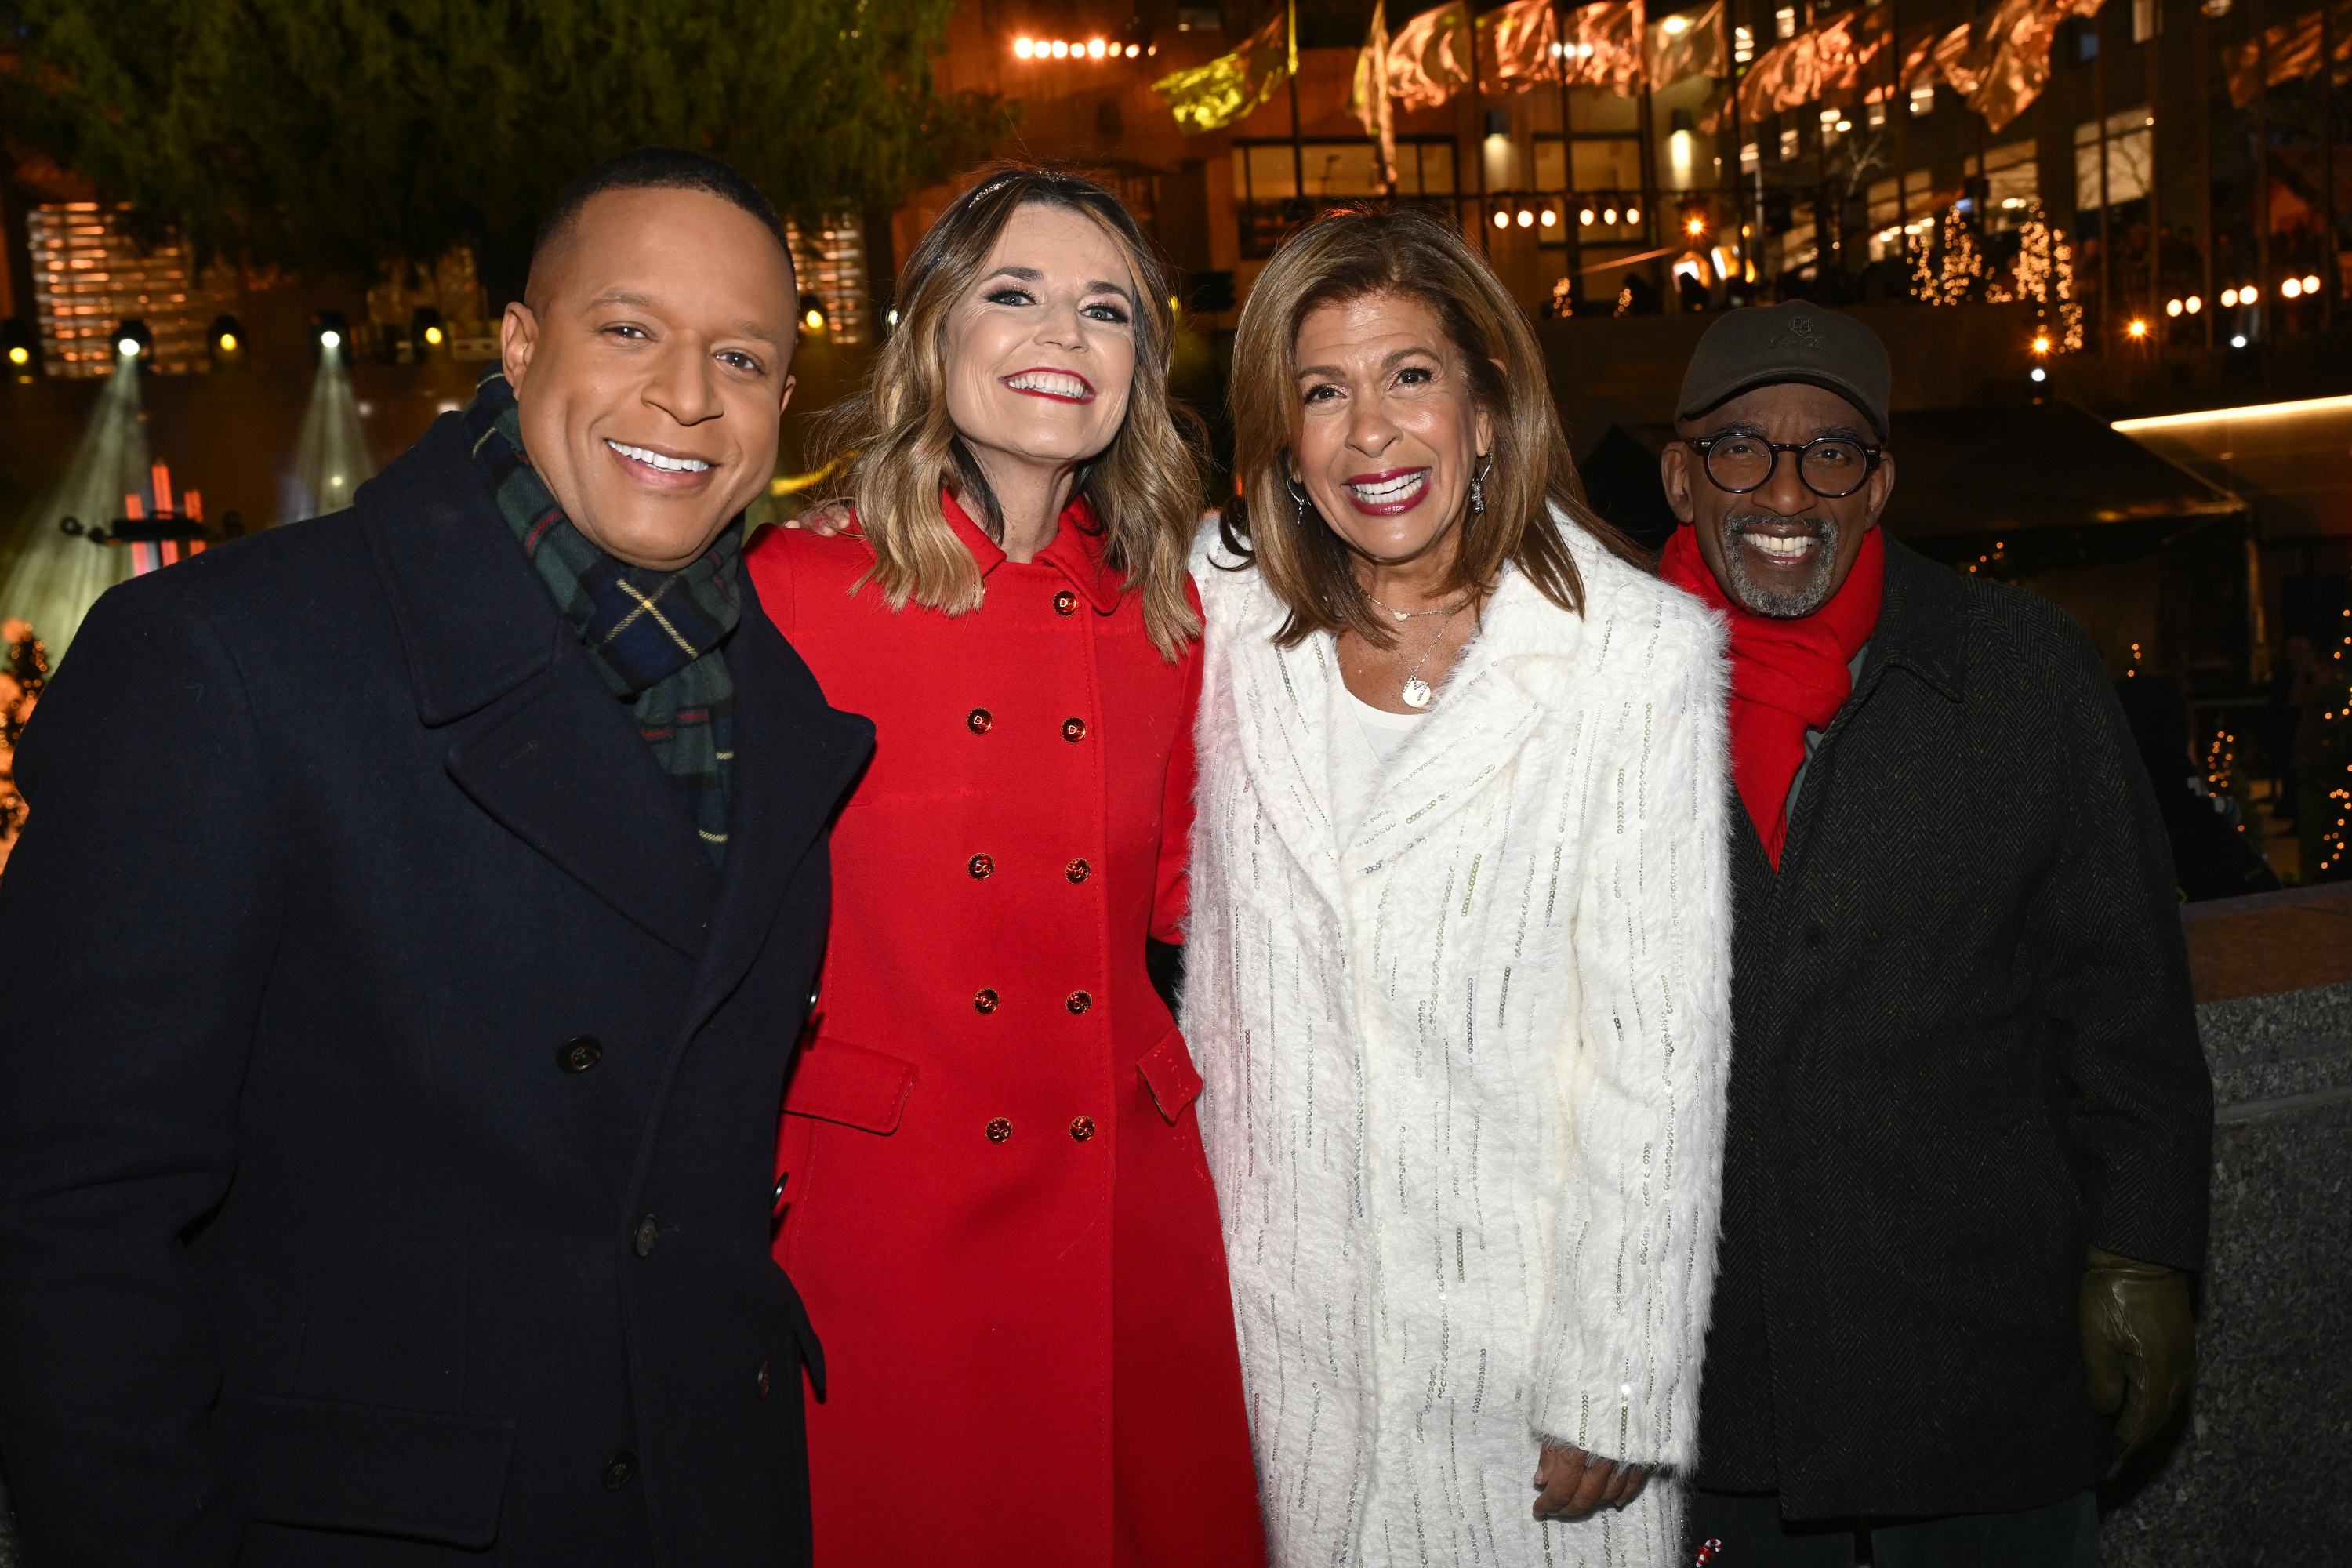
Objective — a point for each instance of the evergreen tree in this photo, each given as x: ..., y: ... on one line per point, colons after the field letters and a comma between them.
x: 332, y: 136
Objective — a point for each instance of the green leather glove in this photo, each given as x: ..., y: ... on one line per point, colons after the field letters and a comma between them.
x: 2137, y: 1330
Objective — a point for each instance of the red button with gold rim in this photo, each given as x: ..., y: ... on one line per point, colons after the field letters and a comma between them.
x: 1066, y: 602
x: 979, y: 721
x: 1074, y: 730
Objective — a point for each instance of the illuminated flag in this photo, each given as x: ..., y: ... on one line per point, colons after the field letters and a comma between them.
x: 1371, y: 101
x: 1212, y: 96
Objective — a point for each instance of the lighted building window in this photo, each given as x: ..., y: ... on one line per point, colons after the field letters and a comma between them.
x: 88, y: 274
x: 831, y: 263
x: 1266, y: 184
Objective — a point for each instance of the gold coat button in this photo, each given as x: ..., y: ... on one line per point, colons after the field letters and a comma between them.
x: 983, y: 1001
x: 980, y: 865
x: 1076, y: 870
x: 1066, y: 602
x: 1082, y: 1129
x: 1074, y: 730
x: 999, y: 1130
x: 979, y: 721
x: 1079, y: 1001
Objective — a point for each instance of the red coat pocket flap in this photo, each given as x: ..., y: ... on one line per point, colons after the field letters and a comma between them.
x: 836, y: 1081
x: 1169, y: 1073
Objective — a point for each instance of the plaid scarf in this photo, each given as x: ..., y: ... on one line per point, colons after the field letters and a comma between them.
x: 655, y: 636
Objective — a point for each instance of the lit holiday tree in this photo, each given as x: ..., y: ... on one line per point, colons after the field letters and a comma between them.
x: 27, y: 670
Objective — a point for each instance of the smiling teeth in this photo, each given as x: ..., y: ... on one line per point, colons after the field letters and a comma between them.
x: 656, y: 460
x: 1050, y: 383
x: 1791, y: 547
x: 1390, y: 490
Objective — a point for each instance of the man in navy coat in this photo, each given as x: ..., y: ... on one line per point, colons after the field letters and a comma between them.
x: 430, y: 896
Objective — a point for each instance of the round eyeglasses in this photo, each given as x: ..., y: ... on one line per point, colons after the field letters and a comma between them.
x: 1831, y: 467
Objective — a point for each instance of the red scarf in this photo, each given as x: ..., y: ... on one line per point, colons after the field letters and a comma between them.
x: 1787, y: 676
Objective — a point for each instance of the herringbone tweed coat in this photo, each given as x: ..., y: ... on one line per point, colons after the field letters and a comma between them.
x: 1964, y: 1052
x: 1465, y: 1069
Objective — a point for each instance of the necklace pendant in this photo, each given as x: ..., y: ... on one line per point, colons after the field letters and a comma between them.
x: 1417, y: 693
x: 1401, y: 615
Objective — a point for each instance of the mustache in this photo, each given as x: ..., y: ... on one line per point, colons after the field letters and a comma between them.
x: 1743, y: 522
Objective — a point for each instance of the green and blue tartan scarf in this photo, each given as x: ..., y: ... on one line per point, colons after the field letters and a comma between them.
x: 656, y: 638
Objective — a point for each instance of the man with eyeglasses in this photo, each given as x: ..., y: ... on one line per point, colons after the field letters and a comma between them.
x: 1965, y: 1178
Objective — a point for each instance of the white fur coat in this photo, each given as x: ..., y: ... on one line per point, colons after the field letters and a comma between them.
x: 1465, y: 1070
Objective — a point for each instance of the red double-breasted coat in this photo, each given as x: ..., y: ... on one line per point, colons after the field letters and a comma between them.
x: 996, y: 1206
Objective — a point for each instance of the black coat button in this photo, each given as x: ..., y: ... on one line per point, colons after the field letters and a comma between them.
x: 620, y: 1470
x: 1074, y: 730
x: 649, y: 1232
x: 767, y: 1377
x: 981, y: 721
x: 579, y: 1053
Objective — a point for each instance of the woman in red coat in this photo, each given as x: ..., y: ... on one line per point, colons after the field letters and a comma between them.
x: 994, y: 1196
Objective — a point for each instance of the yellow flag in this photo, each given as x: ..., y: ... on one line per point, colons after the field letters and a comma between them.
x: 1211, y: 97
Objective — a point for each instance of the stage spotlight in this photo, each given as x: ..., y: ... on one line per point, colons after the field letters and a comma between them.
x: 2249, y: 294
x: 2292, y: 287
x: 22, y: 347
x: 1097, y: 48
x: 2311, y: 283
x: 331, y: 338
x: 2239, y: 341
x: 2041, y: 343
x: 2193, y: 304
x: 2172, y: 306
x: 132, y: 341
x: 2137, y: 329
x: 1024, y: 49
x: 1694, y: 226
x: 2041, y: 374
x: 2229, y: 298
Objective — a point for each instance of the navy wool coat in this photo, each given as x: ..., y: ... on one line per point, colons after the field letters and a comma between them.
x: 387, y: 1124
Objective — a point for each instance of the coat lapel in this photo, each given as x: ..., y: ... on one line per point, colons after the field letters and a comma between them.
x: 1516, y: 667
x: 794, y: 760
x: 1281, y: 712
x: 533, y: 735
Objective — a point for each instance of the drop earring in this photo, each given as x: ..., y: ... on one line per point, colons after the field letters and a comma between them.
x: 1478, y: 485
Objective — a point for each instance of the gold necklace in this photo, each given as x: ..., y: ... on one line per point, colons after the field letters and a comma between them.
x: 1416, y: 615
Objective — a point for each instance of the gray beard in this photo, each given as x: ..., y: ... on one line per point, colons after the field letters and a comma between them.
x: 1779, y: 604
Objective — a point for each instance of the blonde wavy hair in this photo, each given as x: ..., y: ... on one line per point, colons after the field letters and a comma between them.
x: 899, y: 450
x: 1356, y: 252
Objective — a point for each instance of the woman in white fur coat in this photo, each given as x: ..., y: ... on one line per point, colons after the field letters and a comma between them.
x: 1459, y: 949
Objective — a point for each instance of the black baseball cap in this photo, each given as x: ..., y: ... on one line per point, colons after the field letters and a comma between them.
x: 1764, y: 344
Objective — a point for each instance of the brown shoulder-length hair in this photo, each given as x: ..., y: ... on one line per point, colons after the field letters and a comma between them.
x: 899, y: 450
x: 1354, y: 253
